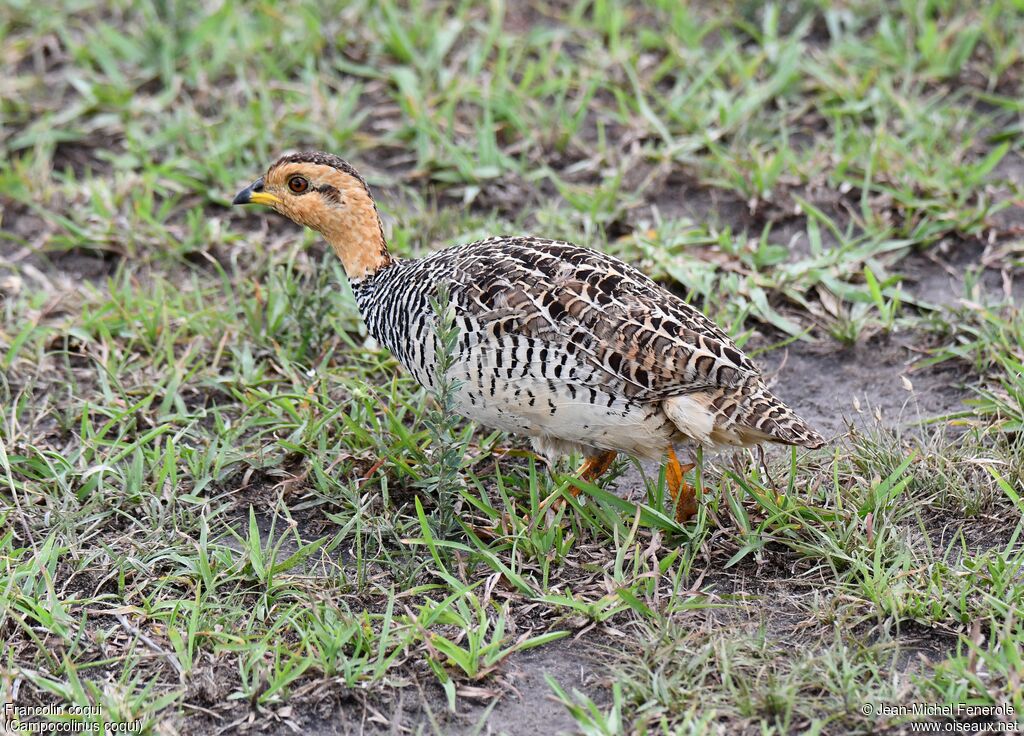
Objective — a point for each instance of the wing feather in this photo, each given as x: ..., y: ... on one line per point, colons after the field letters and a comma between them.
x: 637, y: 336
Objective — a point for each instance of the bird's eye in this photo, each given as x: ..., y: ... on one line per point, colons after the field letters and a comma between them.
x: 298, y: 184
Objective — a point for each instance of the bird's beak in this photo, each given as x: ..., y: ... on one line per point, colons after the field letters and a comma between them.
x: 254, y: 194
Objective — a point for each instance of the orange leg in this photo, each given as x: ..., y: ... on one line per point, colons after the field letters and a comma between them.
x: 683, y: 494
x: 594, y: 466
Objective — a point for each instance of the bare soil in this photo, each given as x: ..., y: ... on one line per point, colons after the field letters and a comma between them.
x: 835, y: 387
x: 520, y: 703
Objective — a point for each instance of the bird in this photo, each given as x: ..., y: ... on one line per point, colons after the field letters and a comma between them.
x: 571, y: 347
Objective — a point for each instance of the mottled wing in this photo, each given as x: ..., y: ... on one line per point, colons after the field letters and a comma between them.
x: 646, y: 343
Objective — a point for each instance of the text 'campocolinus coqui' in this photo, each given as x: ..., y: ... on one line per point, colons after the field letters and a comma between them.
x: 574, y: 348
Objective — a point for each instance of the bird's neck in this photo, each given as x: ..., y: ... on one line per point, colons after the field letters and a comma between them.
x: 356, y: 234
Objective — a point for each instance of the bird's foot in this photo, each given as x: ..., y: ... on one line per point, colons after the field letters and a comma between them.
x: 683, y: 494
x: 594, y: 466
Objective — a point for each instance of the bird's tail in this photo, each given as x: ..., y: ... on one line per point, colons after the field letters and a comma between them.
x: 764, y: 413
x: 743, y: 416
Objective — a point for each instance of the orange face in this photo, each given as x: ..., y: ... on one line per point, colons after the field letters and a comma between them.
x: 326, y: 194
x: 306, y: 193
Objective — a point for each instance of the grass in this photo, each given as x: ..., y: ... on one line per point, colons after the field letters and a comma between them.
x: 223, y: 508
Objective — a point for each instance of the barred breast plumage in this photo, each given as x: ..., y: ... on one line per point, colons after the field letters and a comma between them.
x: 567, y: 345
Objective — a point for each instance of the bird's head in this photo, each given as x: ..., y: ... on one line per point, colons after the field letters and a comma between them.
x: 323, y: 192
